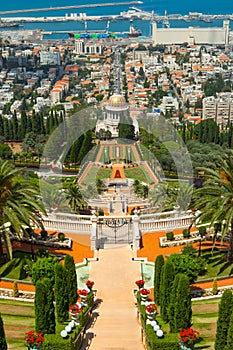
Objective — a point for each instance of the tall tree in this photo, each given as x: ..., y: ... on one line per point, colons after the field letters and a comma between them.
x: 214, y: 199
x: 165, y: 289
x: 183, y: 306
x: 71, y: 278
x: 224, y: 315
x: 230, y: 334
x: 159, y: 262
x: 44, y: 307
x: 19, y: 203
x: 61, y: 295
x: 3, y: 343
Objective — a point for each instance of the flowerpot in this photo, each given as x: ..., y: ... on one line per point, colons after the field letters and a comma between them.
x: 150, y: 316
x: 144, y: 297
x: 83, y: 298
x: 35, y: 347
x: 75, y: 318
x: 184, y: 346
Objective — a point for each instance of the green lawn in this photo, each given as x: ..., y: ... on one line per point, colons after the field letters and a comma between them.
x: 14, y: 269
x: 136, y: 173
x: 18, y: 318
x: 205, y: 315
x: 216, y: 265
x: 96, y: 173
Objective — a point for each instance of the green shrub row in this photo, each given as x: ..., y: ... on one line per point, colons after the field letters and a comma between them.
x: 74, y: 340
x: 155, y: 343
x: 168, y: 342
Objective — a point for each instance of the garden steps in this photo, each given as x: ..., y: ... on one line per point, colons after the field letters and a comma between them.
x: 116, y: 326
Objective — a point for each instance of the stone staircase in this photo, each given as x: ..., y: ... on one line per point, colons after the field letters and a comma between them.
x: 116, y: 326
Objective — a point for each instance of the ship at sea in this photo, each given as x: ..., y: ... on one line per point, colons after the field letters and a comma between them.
x: 9, y: 24
x: 102, y: 34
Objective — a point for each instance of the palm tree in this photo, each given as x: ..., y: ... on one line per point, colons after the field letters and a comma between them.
x: 19, y: 204
x: 74, y: 196
x: 215, y: 200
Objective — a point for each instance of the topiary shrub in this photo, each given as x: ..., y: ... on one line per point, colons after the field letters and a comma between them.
x: 186, y: 233
x: 15, y: 290
x: 61, y: 236
x: 170, y: 236
x: 215, y: 287
x: 44, y: 234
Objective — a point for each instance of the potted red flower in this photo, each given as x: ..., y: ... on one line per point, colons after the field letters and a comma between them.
x: 90, y: 284
x: 151, y: 309
x: 75, y: 309
x: 140, y: 283
x: 34, y: 340
x: 188, y: 338
x: 144, y: 291
x: 83, y: 293
x: 144, y: 294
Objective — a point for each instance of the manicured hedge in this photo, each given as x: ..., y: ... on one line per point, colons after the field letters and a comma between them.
x: 155, y: 343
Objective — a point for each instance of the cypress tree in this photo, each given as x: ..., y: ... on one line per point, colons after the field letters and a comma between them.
x: 75, y: 149
x: 71, y: 278
x: 230, y: 334
x: 23, y: 125
x: 224, y: 315
x: 1, y: 126
x: 173, y: 301
x: 61, y: 295
x: 44, y: 307
x: 159, y: 262
x: 3, y: 343
x: 183, y: 305
x: 6, y: 129
x: 165, y: 289
x: 15, y: 126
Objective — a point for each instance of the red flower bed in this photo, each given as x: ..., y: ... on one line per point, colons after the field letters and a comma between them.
x: 189, y: 336
x: 33, y: 337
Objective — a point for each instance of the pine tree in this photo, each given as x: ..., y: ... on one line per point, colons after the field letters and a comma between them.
x: 183, y: 305
x: 61, y: 295
x: 71, y: 278
x: 159, y: 262
x: 224, y: 315
x: 165, y: 289
x: 3, y: 343
x: 44, y: 307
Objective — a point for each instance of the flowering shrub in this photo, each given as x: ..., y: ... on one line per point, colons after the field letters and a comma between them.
x: 144, y: 291
x: 83, y: 292
x: 34, y: 338
x: 189, y: 336
x: 151, y: 308
x: 140, y: 283
x: 75, y: 309
x: 90, y: 284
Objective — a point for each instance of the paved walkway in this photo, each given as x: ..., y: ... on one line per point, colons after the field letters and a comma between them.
x: 116, y: 327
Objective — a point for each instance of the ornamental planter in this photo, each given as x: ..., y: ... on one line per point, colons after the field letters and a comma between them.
x: 34, y: 347
x: 75, y: 318
x: 184, y: 346
x: 150, y: 315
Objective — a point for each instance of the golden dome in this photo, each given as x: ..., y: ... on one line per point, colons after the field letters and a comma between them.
x: 117, y: 100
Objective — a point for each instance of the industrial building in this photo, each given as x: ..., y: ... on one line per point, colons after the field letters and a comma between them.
x: 191, y: 35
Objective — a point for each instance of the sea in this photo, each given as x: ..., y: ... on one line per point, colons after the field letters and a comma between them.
x: 158, y: 6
